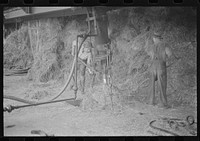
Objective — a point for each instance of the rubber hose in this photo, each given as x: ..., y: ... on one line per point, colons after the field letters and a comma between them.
x: 33, y: 102
x: 71, y: 73
x: 66, y: 84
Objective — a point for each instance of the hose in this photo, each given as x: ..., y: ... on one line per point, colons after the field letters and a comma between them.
x: 160, y: 129
x: 71, y: 73
x: 66, y: 84
x: 33, y: 102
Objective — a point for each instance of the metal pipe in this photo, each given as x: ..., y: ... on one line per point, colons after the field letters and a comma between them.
x: 75, y: 69
x: 10, y: 108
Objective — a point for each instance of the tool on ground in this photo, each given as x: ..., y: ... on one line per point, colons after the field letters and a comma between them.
x: 161, y: 129
x: 176, y: 124
x: 71, y: 101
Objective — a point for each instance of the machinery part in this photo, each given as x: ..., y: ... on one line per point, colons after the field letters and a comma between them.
x: 91, y: 20
x: 188, y: 123
x: 181, y: 124
x: 160, y: 129
x: 173, y: 124
x: 100, y: 38
x: 10, y: 107
x: 101, y: 25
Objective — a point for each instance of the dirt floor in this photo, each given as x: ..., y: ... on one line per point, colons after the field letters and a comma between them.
x: 63, y: 119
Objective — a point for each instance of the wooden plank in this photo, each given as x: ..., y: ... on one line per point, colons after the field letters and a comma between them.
x: 39, y: 10
x: 20, y: 14
x: 30, y: 37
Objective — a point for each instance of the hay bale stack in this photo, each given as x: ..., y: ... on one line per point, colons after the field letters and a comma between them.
x: 131, y: 62
x: 17, y: 52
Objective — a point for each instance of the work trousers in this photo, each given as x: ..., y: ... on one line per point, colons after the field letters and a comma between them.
x: 159, y: 74
x: 82, y: 69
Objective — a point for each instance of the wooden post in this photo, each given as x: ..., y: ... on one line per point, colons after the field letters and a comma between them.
x: 30, y: 37
x: 75, y: 69
x: 37, y: 35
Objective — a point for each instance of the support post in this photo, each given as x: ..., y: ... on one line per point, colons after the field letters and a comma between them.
x: 75, y: 69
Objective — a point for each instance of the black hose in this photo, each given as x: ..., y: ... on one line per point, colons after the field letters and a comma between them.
x: 160, y: 129
x: 33, y: 103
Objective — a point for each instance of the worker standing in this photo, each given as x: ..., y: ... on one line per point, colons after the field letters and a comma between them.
x: 86, y: 56
x: 158, y: 52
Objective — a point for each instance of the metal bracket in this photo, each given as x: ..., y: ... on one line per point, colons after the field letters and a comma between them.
x: 91, y: 20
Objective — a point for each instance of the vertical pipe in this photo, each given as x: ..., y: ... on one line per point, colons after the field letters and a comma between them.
x: 75, y: 70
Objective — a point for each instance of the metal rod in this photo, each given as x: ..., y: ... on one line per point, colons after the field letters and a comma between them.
x: 75, y: 69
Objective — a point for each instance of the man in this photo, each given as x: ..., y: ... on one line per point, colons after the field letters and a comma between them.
x: 86, y: 56
x: 158, y: 53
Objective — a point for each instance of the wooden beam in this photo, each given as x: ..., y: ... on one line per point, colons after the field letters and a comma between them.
x: 26, y: 9
x: 43, y: 12
x: 38, y: 13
